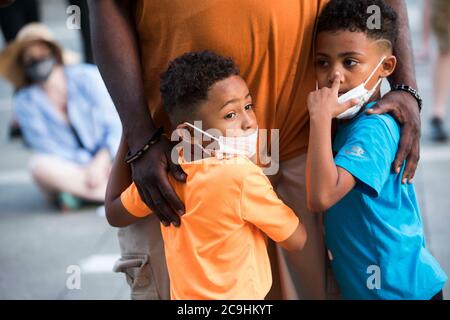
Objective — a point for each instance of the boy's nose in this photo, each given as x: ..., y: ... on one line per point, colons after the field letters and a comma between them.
x: 332, y: 75
x: 248, y: 122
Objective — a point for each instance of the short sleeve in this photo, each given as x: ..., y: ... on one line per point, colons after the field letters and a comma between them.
x: 132, y: 202
x: 368, y: 152
x: 261, y: 207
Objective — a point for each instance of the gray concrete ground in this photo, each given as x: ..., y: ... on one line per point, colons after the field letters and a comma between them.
x: 39, y: 244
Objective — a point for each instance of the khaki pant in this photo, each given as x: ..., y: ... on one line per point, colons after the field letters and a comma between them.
x: 304, y: 274
x: 440, y: 21
x: 143, y: 261
x: 296, y: 275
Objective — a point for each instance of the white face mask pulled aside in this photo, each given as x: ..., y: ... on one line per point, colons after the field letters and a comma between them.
x: 242, y: 145
x: 360, y: 93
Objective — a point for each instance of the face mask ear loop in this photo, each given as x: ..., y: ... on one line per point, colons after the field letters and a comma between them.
x: 378, y: 83
x: 208, y: 152
x: 205, y: 133
x: 374, y: 71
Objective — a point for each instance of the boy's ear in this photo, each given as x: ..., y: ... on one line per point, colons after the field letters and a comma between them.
x: 186, y: 132
x: 388, y: 66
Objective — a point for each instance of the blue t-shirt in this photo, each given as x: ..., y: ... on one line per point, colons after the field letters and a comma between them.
x: 375, y: 234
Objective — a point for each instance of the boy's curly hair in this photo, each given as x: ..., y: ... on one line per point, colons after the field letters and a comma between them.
x: 187, y: 80
x: 352, y: 15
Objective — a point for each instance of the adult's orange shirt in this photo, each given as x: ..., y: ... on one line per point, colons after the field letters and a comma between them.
x: 270, y: 40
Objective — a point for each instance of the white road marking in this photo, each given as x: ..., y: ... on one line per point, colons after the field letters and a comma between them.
x: 435, y: 154
x: 15, y: 177
x: 99, y: 263
x: 5, y: 105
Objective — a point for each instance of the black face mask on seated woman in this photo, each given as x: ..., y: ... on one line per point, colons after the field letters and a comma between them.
x: 38, y: 71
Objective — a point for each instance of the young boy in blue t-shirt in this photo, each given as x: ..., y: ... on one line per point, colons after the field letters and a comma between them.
x: 373, y: 228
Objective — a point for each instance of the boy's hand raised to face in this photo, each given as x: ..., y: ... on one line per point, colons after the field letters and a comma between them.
x: 323, y: 103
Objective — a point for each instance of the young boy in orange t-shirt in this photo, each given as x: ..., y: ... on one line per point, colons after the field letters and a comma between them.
x: 219, y: 250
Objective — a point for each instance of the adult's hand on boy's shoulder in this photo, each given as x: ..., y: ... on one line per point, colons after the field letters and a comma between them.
x: 404, y: 108
x: 150, y: 174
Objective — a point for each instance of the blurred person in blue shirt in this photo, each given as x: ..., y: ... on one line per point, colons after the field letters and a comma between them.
x: 66, y: 115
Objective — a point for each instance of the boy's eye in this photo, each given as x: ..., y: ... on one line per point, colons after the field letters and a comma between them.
x: 249, y: 106
x: 350, y: 62
x: 230, y: 115
x: 322, y: 63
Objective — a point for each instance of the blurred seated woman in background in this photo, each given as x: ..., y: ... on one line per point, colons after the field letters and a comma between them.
x: 66, y: 115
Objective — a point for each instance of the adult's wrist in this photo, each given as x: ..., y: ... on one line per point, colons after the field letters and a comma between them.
x: 139, y: 134
x: 411, y: 91
x: 154, y: 139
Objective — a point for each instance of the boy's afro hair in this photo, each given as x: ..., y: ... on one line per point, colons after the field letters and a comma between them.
x: 189, y: 77
x: 353, y: 15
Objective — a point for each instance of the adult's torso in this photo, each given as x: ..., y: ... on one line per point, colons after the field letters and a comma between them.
x: 271, y: 41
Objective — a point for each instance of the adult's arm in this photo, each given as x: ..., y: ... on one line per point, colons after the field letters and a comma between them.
x: 400, y: 104
x: 116, y: 53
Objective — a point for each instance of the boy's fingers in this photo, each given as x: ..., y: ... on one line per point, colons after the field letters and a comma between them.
x: 346, y: 105
x: 336, y: 83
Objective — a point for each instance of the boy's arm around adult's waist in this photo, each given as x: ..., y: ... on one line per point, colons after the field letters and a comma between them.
x: 120, y: 181
x: 260, y: 206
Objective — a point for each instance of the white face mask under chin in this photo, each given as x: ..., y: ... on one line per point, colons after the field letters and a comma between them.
x: 361, y: 93
x: 242, y: 145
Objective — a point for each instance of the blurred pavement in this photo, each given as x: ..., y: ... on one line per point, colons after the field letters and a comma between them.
x: 39, y: 242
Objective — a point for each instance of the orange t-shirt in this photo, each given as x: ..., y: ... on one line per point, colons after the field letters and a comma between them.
x: 219, y: 251
x: 270, y: 40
